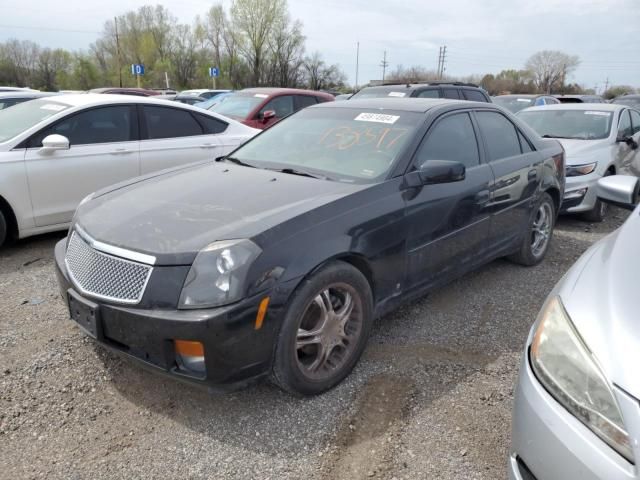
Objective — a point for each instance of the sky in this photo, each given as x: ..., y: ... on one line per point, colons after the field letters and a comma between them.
x: 482, y: 36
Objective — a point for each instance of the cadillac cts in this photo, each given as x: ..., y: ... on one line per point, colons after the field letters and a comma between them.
x: 274, y: 260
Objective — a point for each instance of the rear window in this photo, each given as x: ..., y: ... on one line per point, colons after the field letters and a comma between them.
x: 395, y: 91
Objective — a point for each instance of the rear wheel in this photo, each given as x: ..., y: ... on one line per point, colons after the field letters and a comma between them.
x: 536, y: 243
x: 3, y: 229
x: 324, y: 331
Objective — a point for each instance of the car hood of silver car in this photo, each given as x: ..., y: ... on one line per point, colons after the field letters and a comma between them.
x: 578, y: 152
x: 601, y: 295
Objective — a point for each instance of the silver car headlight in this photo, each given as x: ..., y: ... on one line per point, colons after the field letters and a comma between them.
x: 570, y: 373
x: 217, y: 276
x: 578, y: 170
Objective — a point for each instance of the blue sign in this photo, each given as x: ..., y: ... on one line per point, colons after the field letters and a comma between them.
x: 214, y: 72
x: 137, y: 69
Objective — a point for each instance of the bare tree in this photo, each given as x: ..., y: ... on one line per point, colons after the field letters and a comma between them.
x: 321, y: 76
x: 550, y: 69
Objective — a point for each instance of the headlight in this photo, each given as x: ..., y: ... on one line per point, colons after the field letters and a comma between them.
x: 569, y: 372
x: 577, y: 170
x: 217, y: 276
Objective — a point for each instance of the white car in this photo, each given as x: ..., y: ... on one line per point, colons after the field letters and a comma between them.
x: 599, y: 140
x: 55, y: 151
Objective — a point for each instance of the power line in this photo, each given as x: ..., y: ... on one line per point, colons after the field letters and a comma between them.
x: 384, y: 64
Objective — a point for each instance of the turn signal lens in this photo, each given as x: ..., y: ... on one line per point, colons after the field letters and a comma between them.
x: 190, y: 356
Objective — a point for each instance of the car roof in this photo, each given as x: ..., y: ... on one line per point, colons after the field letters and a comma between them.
x: 27, y: 94
x: 522, y: 95
x: 605, y: 107
x: 419, y: 105
x: 291, y: 91
x: 89, y: 99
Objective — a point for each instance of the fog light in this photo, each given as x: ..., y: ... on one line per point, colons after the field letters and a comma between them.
x: 190, y: 356
x: 575, y: 194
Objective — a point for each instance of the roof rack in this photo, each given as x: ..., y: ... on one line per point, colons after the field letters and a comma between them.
x: 429, y: 82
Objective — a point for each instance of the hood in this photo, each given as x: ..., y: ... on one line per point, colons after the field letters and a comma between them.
x: 578, y: 152
x: 174, y: 215
x: 600, y: 294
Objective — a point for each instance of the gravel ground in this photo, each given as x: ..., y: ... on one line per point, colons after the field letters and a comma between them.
x: 431, y: 398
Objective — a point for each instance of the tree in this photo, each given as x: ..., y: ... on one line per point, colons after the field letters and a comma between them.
x: 550, y: 69
x: 412, y: 74
x: 618, y: 90
x: 254, y: 21
x: 320, y: 76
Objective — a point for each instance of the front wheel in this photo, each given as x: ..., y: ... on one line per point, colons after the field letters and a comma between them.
x: 539, y: 232
x: 3, y: 229
x: 325, y: 330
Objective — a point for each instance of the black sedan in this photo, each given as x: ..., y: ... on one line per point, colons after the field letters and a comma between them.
x: 274, y: 260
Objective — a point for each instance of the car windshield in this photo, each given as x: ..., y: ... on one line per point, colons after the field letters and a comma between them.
x: 631, y: 102
x: 344, y: 144
x: 208, y: 104
x: 23, y: 116
x: 398, y: 91
x: 514, y: 104
x: 576, y: 124
x: 238, y: 105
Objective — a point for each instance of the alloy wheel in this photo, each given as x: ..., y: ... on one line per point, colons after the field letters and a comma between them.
x: 541, y: 229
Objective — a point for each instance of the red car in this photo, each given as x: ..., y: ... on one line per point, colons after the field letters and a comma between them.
x: 139, y: 92
x: 262, y: 107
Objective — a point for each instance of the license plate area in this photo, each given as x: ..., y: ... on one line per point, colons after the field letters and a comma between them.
x: 85, y: 313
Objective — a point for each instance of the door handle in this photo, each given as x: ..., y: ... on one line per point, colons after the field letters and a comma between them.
x: 208, y: 145
x: 120, y: 151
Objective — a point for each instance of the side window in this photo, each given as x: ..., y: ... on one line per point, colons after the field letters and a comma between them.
x: 283, y: 106
x: 451, y: 93
x: 429, y: 93
x: 624, y: 125
x: 98, y: 125
x: 306, y: 101
x: 211, y: 124
x: 525, y: 146
x: 167, y: 122
x: 452, y: 138
x: 499, y: 135
x: 551, y: 100
x: 474, y: 95
x: 635, y: 120
x: 539, y: 101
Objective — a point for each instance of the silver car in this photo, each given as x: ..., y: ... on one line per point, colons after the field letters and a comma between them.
x: 599, y: 140
x: 577, y: 405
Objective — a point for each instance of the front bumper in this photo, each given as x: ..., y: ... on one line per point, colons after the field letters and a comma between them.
x: 553, y: 444
x: 236, y: 353
x: 580, y: 193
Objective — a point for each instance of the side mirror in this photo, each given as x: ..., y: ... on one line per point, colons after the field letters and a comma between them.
x: 633, y: 145
x: 436, y: 171
x: 619, y: 190
x: 54, y: 142
x: 268, y: 114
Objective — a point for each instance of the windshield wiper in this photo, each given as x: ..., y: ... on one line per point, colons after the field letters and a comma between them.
x: 547, y: 135
x: 302, y: 173
x: 235, y: 160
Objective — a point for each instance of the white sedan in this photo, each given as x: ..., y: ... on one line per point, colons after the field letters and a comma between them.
x: 56, y: 151
x: 599, y: 140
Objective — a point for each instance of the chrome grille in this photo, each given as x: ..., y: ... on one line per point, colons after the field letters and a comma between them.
x: 105, y: 276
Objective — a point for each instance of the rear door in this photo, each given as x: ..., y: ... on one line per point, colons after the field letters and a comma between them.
x: 448, y: 223
x: 431, y: 92
x: 517, y: 169
x: 176, y: 136
x: 451, y: 92
x: 304, y: 101
x: 103, y: 149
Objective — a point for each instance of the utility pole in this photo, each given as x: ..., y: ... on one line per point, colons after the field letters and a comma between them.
x: 357, y: 65
x: 606, y: 86
x: 384, y: 64
x: 115, y: 22
x: 439, y: 62
x: 442, y: 61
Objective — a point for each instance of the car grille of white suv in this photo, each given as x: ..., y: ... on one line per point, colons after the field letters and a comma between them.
x: 105, y: 276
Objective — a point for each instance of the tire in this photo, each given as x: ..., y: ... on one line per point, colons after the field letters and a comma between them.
x: 540, y: 229
x: 3, y: 229
x: 600, y: 209
x: 319, y: 342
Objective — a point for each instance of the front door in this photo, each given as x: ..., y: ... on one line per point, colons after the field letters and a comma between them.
x: 448, y: 223
x: 282, y: 105
x: 103, y: 150
x: 627, y: 158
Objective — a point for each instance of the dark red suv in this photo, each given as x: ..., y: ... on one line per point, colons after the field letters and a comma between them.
x: 262, y: 107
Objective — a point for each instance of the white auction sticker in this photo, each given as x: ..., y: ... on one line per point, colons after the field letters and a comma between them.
x: 595, y: 112
x: 377, y: 117
x: 53, y: 107
x: 261, y: 95
x: 396, y: 94
x: 524, y: 100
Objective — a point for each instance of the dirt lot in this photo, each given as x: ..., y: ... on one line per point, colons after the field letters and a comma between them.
x: 431, y: 397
